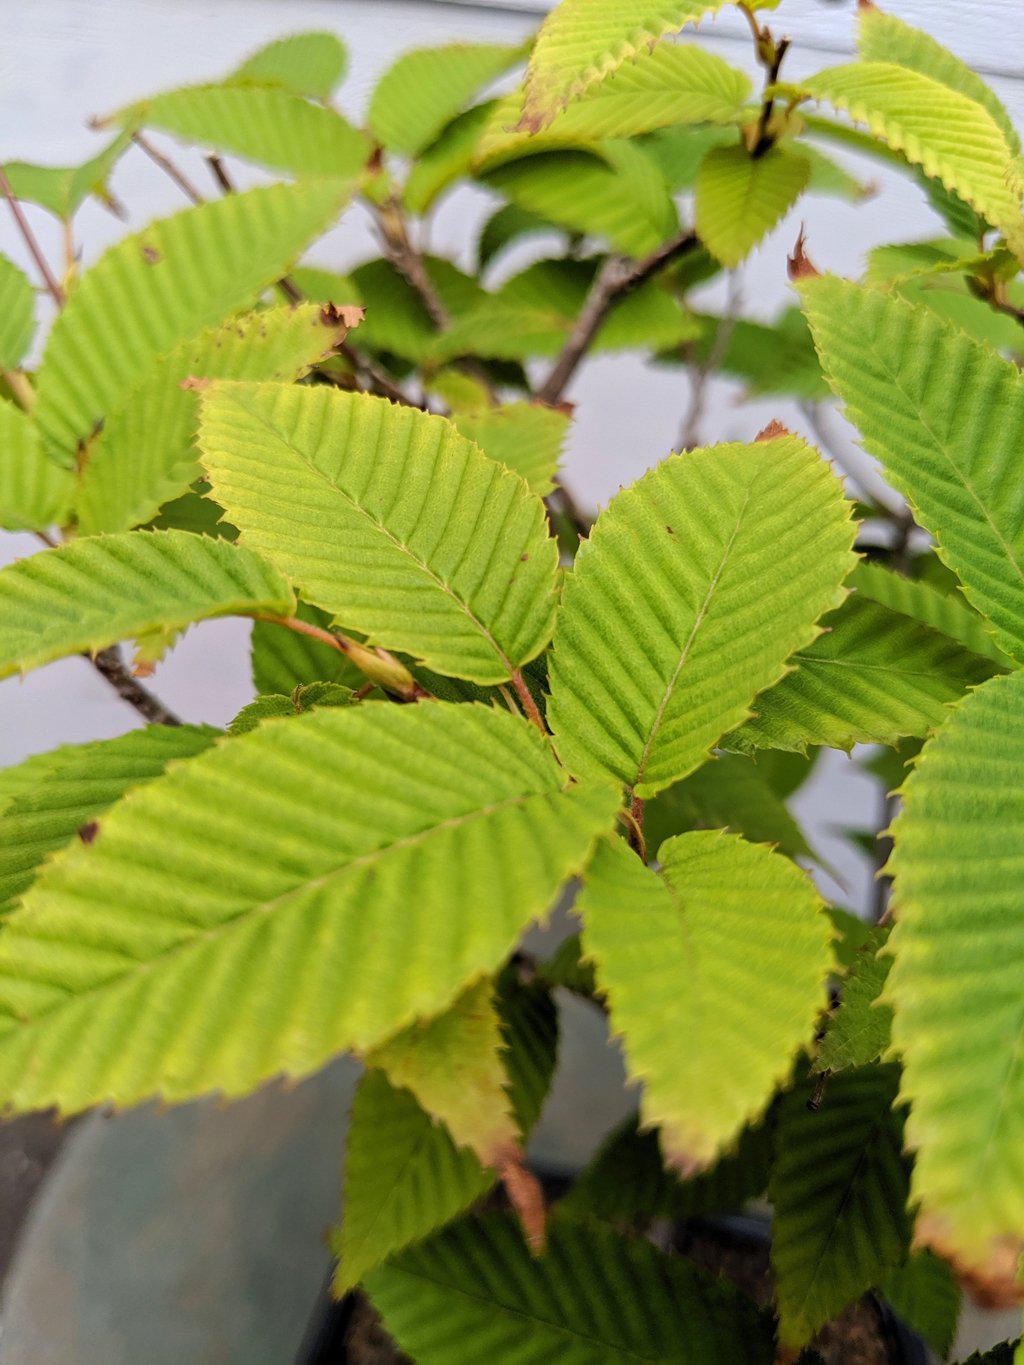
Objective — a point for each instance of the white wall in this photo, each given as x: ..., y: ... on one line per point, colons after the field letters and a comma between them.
x: 62, y: 60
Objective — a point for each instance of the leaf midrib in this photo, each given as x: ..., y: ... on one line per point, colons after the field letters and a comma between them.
x: 28, y: 913
x: 399, y: 544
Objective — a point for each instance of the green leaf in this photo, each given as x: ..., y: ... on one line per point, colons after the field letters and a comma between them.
x: 62, y: 190
x: 528, y: 1018
x: 925, y: 1294
x: 305, y: 63
x: 265, y: 124
x: 194, y: 512
x: 424, y: 89
x: 945, y: 416
x: 145, y: 454
x: 937, y: 128
x: 404, y: 1177
x: 664, y: 945
x: 621, y: 197
x: 657, y: 655
x: 1003, y: 1354
x: 283, y: 659
x: 776, y: 359
x: 674, y: 83
x: 947, y: 612
x: 728, y: 793
x: 446, y: 160
x: 222, y: 929
x: 859, y: 1028
x: 452, y: 1064
x: 69, y: 788
x: 583, y: 41
x: 954, y: 988
x: 839, y: 1193
x: 388, y: 518
x: 476, y: 1291
x: 161, y: 286
x: 873, y: 677
x: 90, y: 593
x: 740, y: 198
x: 34, y: 492
x: 884, y: 38
x: 507, y: 225
x: 17, y: 314
x: 275, y: 706
x: 533, y: 313
x: 527, y: 437
x: 627, y: 1181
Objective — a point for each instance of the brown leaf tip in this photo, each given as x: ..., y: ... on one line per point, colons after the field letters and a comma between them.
x: 772, y: 431
x: 865, y: 6
x: 800, y: 266
x: 143, y: 668
x: 347, y: 315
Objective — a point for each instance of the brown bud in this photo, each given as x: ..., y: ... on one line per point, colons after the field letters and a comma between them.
x: 773, y: 431
x: 801, y: 267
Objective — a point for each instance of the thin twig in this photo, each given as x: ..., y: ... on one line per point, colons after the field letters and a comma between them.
x: 29, y: 238
x: 220, y: 174
x: 109, y: 666
x: 617, y: 277
x: 169, y: 168
x: 21, y: 389
x: 689, y: 435
x: 529, y: 705
x: 408, y: 262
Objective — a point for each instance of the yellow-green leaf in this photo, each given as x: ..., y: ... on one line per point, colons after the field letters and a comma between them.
x: 709, y: 1031
x: 740, y: 198
x: 527, y: 437
x: 35, y: 493
x: 305, y: 63
x: 388, y: 518
x: 283, y: 897
x: 17, y: 314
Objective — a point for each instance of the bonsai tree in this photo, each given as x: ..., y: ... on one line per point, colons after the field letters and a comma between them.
x: 470, y: 692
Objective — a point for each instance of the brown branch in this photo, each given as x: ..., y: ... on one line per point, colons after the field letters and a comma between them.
x: 617, y: 277
x: 635, y: 821
x: 408, y: 261
x: 109, y: 666
x: 169, y: 168
x: 529, y: 705
x: 220, y: 174
x: 29, y: 238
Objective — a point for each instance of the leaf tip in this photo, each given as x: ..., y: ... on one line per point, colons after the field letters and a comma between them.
x: 773, y: 431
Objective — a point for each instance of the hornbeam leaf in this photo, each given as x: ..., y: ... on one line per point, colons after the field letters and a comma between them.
x: 452, y: 1064
x: 265, y: 124
x: 424, y: 89
x: 446, y: 160
x: 161, y: 286
x: 583, y: 41
x: 946, y: 133
x: 740, y: 198
x: 709, y: 1032
x: 621, y: 197
x: 859, y: 1029
x: 144, y: 456
x: 674, y: 83
x: 17, y: 314
x: 90, y: 593
x: 527, y: 437
x: 882, y: 37
x: 62, y: 190
x: 945, y: 416
x: 947, y: 612
x: 305, y: 63
x: 533, y: 313
x: 839, y: 1194
x: 507, y: 225
x: 657, y: 654
x: 77, y: 784
x: 34, y: 491
x: 873, y: 677
x: 388, y: 518
x: 925, y: 1294
x: 475, y: 1291
x: 307, y: 888
x: 275, y: 705
x: 404, y: 1177
x: 954, y: 983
